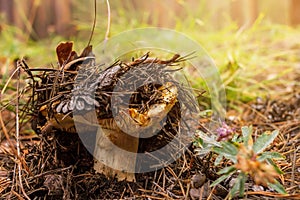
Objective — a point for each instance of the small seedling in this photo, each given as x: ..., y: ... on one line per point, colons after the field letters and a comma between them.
x: 248, y: 158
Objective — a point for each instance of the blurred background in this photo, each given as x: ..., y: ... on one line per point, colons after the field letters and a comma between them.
x: 254, y: 43
x: 41, y: 18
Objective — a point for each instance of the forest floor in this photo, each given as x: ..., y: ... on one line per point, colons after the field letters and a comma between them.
x: 260, y: 69
x: 62, y: 169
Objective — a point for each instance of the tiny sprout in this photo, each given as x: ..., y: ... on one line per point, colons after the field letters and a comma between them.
x: 248, y: 157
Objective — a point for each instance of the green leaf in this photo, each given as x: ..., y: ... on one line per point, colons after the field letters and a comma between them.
x: 264, y: 141
x: 220, y: 179
x: 278, y: 187
x: 278, y: 170
x: 203, y: 151
x: 198, y: 142
x: 234, y: 190
x: 242, y: 184
x: 239, y: 186
x: 270, y: 155
x: 205, y: 139
x: 247, y: 134
x: 225, y: 154
x: 227, y: 170
x: 218, y: 160
x: 228, y: 150
x: 236, y: 138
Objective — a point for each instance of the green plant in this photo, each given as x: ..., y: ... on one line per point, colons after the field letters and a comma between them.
x: 248, y: 158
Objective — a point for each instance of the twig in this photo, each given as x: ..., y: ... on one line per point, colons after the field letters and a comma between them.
x: 294, y: 164
x: 163, y: 193
x: 131, y: 191
x: 65, y: 67
x: 122, y: 195
x: 275, y: 195
x: 52, y: 172
x: 18, y: 195
x: 171, y: 171
x: 94, y: 23
x: 7, y: 82
x: 201, y: 192
x: 16, y: 152
x: 5, y: 130
x: 146, y: 196
x: 211, y: 193
x: 1, y: 120
x: 17, y: 138
x: 187, y: 192
x: 108, y: 21
x: 108, y: 24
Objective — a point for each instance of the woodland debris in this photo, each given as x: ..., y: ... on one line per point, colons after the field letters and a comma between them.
x: 79, y: 96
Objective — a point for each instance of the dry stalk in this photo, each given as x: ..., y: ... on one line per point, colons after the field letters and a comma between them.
x: 94, y: 23
x: 18, y: 138
x: 108, y: 20
x: 3, y: 125
x: 16, y: 151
